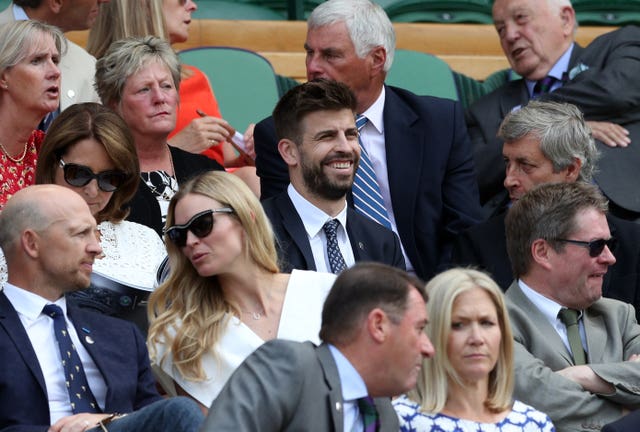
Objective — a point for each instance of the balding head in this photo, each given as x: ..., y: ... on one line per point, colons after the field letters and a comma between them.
x: 47, y: 233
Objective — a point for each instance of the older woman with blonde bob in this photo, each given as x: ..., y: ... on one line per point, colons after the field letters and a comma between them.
x: 224, y: 295
x: 468, y: 385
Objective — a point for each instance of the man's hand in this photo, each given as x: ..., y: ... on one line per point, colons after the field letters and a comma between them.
x: 77, y: 422
x: 587, y: 378
x: 610, y: 134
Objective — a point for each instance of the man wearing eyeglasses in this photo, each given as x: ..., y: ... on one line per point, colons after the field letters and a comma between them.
x: 548, y: 142
x: 576, y: 353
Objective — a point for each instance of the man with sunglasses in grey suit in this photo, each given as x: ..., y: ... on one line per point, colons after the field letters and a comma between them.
x: 576, y: 354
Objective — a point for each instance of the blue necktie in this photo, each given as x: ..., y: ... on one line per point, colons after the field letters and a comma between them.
x: 82, y: 400
x: 367, y: 198
x: 336, y: 260
x: 543, y: 86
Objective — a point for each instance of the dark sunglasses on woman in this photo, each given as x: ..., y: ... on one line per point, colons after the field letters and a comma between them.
x: 200, y: 225
x: 80, y: 175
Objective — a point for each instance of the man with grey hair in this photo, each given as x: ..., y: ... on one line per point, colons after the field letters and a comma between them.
x: 548, y: 142
x: 420, y: 168
x: 538, y: 39
x: 76, y: 65
x: 576, y: 354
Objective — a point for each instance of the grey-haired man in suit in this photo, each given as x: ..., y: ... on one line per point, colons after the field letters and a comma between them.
x: 374, y: 343
x: 576, y: 353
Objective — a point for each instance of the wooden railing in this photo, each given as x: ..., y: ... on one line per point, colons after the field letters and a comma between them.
x: 472, y: 49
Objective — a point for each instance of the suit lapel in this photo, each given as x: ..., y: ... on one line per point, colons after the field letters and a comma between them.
x: 292, y: 224
x: 354, y: 232
x: 596, y: 333
x: 515, y: 94
x: 332, y: 379
x: 12, y: 325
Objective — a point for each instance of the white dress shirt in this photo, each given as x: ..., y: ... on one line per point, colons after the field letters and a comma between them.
x: 39, y: 328
x: 313, y: 220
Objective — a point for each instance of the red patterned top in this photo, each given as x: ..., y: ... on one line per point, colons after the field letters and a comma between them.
x: 17, y: 175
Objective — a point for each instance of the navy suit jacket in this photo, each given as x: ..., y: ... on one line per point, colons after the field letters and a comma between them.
x: 628, y: 423
x: 603, y: 83
x: 369, y: 240
x: 430, y: 168
x: 118, y: 349
x: 485, y: 246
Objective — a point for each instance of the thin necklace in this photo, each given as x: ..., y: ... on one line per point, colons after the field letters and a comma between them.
x: 19, y: 159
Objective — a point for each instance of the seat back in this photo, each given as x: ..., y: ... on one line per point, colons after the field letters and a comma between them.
x: 235, y: 10
x: 243, y: 81
x: 422, y: 74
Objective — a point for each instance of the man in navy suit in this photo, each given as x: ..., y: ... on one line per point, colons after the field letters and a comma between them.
x: 418, y: 145
x: 319, y: 142
x: 49, y: 238
x: 548, y: 142
x: 537, y: 38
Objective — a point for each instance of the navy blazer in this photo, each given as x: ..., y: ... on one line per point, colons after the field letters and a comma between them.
x: 628, y: 423
x: 603, y: 83
x: 145, y: 208
x: 431, y: 175
x: 369, y: 240
x: 118, y: 349
x: 485, y: 246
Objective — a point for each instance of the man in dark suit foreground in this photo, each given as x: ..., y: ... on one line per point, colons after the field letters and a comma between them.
x: 64, y: 368
x: 537, y: 38
x: 547, y: 142
x: 418, y: 145
x: 319, y: 142
x: 576, y: 354
x: 374, y: 342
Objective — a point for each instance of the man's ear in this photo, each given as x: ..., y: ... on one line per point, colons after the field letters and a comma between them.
x: 568, y: 17
x: 540, y: 253
x: 378, y: 58
x: 378, y: 325
x: 54, y: 5
x: 30, y: 243
x: 289, y: 152
x: 573, y: 170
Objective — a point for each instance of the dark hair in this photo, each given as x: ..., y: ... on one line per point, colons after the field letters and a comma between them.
x: 360, y: 289
x: 92, y: 120
x: 312, y: 96
x: 34, y: 4
x: 547, y: 212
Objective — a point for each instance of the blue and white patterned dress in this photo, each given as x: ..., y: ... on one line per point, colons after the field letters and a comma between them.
x: 522, y: 418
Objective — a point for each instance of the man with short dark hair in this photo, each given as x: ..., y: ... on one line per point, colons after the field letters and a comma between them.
x: 65, y: 368
x: 576, y: 353
x: 315, y: 228
x: 422, y: 181
x: 374, y: 344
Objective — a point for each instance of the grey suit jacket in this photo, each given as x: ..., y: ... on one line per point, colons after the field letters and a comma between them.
x: 612, y: 336
x: 286, y: 386
x: 77, y: 68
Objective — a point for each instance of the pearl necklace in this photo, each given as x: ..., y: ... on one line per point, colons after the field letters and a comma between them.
x: 11, y: 158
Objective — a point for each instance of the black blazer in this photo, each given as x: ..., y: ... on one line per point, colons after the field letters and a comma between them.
x: 431, y: 176
x: 628, y: 423
x: 606, y: 90
x: 369, y: 240
x: 118, y: 349
x: 485, y: 246
x: 144, y: 206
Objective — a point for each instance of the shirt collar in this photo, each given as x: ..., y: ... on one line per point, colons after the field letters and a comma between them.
x: 548, y: 307
x: 312, y: 217
x: 351, y: 383
x: 19, y: 14
x: 558, y: 70
x: 29, y: 304
x: 374, y: 112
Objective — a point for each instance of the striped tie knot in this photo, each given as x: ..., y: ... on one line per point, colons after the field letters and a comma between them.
x: 370, y: 417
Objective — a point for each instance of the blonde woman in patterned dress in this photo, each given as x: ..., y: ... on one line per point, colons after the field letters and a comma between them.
x: 29, y: 89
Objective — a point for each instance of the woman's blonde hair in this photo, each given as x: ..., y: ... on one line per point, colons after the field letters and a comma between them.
x: 192, y: 305
x: 432, y: 388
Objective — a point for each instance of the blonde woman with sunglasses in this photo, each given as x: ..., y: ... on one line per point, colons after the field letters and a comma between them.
x: 224, y: 295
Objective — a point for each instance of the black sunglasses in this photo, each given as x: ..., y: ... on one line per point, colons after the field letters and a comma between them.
x: 80, y: 175
x: 200, y: 225
x: 595, y: 246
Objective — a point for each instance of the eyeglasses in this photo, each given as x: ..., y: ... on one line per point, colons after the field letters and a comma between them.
x: 595, y: 246
x: 80, y: 175
x: 200, y: 225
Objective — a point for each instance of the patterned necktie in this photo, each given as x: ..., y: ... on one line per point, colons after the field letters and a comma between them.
x: 82, y: 400
x: 369, y: 413
x: 367, y: 198
x: 336, y: 260
x: 569, y: 317
x: 543, y: 86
